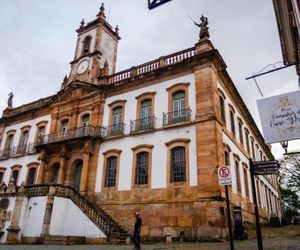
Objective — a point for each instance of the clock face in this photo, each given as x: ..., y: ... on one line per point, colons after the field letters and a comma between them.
x: 82, y: 66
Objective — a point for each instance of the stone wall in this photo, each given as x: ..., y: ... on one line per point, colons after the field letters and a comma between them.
x: 198, y: 220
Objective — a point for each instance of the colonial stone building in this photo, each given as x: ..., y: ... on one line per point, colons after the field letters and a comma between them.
x: 148, y: 139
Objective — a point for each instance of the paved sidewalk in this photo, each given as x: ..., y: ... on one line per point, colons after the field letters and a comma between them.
x: 283, y: 238
x: 269, y: 244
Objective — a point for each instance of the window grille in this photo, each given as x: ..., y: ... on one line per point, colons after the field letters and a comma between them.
x: 178, y: 164
x: 142, y: 164
x: 111, y: 171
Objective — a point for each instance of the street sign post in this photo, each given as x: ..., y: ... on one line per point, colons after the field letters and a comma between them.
x: 258, y: 229
x: 224, y: 177
x: 265, y: 167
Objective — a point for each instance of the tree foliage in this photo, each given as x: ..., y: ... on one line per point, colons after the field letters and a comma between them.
x: 290, y: 184
x: 290, y: 172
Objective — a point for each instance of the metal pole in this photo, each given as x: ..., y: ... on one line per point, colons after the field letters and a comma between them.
x: 229, y: 218
x: 258, y: 229
x: 270, y: 71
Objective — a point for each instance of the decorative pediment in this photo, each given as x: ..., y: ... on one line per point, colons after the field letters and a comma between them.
x: 75, y: 91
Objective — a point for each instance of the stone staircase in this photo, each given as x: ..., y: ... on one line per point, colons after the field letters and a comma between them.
x: 113, y: 231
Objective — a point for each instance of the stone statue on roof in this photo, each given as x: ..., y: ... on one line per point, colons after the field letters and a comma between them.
x: 203, y: 27
x: 10, y: 100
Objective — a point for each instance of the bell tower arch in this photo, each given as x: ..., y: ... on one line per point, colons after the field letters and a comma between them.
x: 96, y: 50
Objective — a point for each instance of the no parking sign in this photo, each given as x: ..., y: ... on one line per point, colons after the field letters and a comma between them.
x: 224, y: 175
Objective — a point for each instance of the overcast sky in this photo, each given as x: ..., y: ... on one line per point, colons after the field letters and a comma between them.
x: 38, y: 38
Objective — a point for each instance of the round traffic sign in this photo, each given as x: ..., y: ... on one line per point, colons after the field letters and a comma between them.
x: 224, y: 172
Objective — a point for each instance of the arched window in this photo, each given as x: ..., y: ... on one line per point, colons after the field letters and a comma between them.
x: 258, y: 192
x: 222, y: 109
x: 247, y: 140
x: 226, y: 158
x: 238, y: 177
x: 9, y: 141
x: 15, y: 176
x: 55, y: 171
x: 178, y: 104
x: 252, y: 148
x: 232, y: 124
x: 142, y: 165
x: 240, y: 124
x: 117, y: 127
x: 86, y: 44
x: 84, y: 126
x: 178, y: 164
x: 64, y: 126
x: 41, y: 131
x: 24, y: 138
x: 145, y: 119
x: 85, y: 120
x: 246, y: 181
x: 31, y: 176
x: 77, y: 174
x: 1, y: 176
x: 145, y: 110
x: 117, y: 115
x: 111, y: 171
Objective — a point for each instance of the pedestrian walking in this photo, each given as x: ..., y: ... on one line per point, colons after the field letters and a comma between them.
x: 137, y: 230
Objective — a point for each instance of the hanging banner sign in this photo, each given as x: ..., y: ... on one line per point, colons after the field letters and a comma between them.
x: 280, y: 117
x: 224, y: 175
x: 266, y: 167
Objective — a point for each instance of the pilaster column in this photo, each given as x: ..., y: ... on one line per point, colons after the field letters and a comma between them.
x: 48, y: 214
x: 210, y: 148
x: 85, y: 168
x: 42, y: 158
x: 14, y: 229
x: 61, y: 173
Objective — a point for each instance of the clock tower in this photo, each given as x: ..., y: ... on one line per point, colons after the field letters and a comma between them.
x: 96, y: 50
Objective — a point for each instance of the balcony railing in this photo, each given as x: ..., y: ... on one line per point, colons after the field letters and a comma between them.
x: 6, y: 153
x: 116, y: 129
x: 20, y: 150
x: 179, y: 116
x: 31, y: 148
x: 76, y: 133
x: 17, y: 151
x: 144, y: 124
x: 151, y: 66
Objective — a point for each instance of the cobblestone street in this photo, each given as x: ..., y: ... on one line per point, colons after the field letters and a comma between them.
x: 274, y: 239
